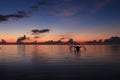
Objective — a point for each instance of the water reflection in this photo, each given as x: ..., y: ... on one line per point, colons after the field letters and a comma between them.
x: 35, y: 55
x: 115, y: 52
x: 21, y: 50
x: 57, y: 53
x: 38, y: 62
x: 115, y: 49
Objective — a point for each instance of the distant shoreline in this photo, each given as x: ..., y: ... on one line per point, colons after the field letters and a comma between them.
x: 111, y: 41
x: 55, y: 44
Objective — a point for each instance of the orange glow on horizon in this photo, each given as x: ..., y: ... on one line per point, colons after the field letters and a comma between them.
x: 75, y: 37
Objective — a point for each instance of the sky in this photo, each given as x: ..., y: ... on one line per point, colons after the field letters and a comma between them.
x: 44, y: 20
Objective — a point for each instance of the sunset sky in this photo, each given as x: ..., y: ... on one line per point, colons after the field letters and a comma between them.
x: 81, y: 20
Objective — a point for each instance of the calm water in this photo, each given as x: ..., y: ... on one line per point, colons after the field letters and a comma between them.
x: 58, y: 62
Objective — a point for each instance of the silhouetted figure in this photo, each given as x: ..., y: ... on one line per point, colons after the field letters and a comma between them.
x: 77, y: 49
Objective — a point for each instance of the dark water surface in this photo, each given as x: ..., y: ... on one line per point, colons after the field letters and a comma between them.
x: 48, y: 62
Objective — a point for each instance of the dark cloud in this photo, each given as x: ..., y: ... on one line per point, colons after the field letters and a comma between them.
x: 59, y: 8
x: 36, y: 37
x: 20, y: 39
x: 67, y: 0
x: 3, y: 18
x: 37, y: 5
x: 67, y: 11
x: 44, y: 30
x: 18, y: 15
x: 22, y: 13
x: 37, y: 31
x: 42, y: 3
x: 62, y: 38
x: 15, y: 16
x: 34, y: 7
x: 70, y: 7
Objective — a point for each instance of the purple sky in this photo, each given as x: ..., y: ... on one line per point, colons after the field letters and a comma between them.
x: 78, y: 19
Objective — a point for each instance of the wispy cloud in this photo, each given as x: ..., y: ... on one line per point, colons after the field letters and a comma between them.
x: 36, y: 6
x: 59, y: 8
x: 70, y: 7
x: 99, y: 5
x: 67, y: 11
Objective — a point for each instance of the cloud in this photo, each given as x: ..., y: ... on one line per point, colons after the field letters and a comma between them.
x: 20, y: 39
x: 44, y: 30
x: 67, y: 11
x: 59, y: 8
x: 68, y: 7
x: 37, y: 31
x: 99, y: 5
x: 36, y: 6
x: 68, y: 0
x: 18, y: 15
x: 36, y: 37
x: 72, y: 7
x: 42, y: 3
x: 22, y: 13
x: 3, y: 18
x: 62, y: 38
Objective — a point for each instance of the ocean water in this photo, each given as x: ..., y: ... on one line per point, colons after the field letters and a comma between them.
x: 46, y: 62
